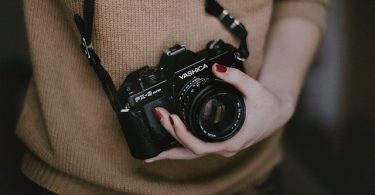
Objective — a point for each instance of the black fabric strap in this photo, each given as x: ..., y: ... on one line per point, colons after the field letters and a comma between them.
x: 85, y: 27
x: 214, y: 8
x: 88, y: 15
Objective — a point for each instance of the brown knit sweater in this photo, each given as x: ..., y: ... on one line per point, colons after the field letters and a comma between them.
x: 76, y: 145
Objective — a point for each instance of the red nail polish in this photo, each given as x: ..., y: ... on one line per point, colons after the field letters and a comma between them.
x: 220, y: 68
x: 157, y: 113
x: 171, y: 119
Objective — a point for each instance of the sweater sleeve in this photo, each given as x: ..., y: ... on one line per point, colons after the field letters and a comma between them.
x: 311, y: 10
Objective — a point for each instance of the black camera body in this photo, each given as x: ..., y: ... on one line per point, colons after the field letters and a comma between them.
x: 184, y: 84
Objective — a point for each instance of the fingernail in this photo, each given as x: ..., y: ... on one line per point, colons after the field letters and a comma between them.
x: 220, y: 68
x: 157, y: 113
x: 171, y: 119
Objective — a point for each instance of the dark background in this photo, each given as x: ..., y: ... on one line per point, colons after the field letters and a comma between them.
x: 330, y: 142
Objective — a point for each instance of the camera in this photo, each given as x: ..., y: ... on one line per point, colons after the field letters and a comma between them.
x: 184, y: 84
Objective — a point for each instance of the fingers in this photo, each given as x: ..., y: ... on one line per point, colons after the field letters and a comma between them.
x: 163, y: 116
x: 174, y: 153
x: 227, y: 154
x: 240, y: 80
x: 175, y: 126
x: 191, y: 142
x: 182, y: 154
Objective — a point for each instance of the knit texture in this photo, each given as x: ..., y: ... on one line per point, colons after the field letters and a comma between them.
x: 75, y: 141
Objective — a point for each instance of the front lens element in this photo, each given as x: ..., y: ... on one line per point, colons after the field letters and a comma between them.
x: 213, y: 112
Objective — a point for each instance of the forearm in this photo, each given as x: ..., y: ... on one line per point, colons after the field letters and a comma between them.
x: 291, y: 45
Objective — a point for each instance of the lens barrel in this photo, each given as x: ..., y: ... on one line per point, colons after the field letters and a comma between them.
x: 212, y: 109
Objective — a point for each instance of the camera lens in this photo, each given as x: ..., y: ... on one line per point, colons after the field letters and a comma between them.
x: 212, y: 110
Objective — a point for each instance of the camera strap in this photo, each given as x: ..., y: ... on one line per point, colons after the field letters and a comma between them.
x: 238, y: 29
x: 85, y: 26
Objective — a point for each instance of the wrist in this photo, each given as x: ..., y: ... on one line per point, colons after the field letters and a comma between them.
x: 287, y: 102
x: 286, y: 93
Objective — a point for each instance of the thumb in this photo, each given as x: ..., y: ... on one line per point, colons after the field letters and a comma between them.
x: 240, y: 80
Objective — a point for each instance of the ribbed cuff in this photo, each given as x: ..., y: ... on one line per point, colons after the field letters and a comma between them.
x: 311, y: 11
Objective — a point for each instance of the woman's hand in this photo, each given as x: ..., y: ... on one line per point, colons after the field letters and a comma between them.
x: 265, y: 113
